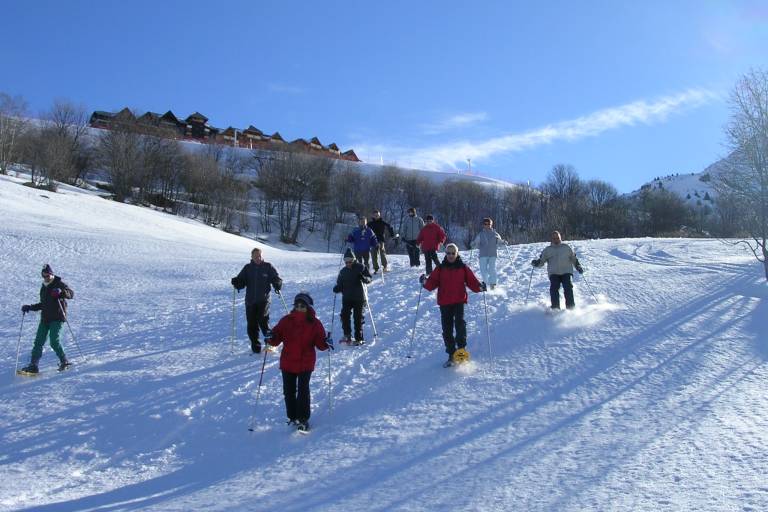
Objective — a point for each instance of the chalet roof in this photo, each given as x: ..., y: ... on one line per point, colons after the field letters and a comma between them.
x: 315, y: 140
x: 277, y: 136
x: 197, y: 115
x: 253, y: 129
x: 125, y: 113
x: 300, y: 142
x: 351, y: 154
x: 229, y: 131
x: 150, y: 116
x: 333, y: 146
x: 102, y: 113
x: 169, y: 116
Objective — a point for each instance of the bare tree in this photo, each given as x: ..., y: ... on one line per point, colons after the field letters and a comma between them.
x: 746, y: 178
x: 13, y: 124
x: 67, y: 155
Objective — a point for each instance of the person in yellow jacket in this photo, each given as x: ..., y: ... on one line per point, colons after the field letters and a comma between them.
x: 560, y: 260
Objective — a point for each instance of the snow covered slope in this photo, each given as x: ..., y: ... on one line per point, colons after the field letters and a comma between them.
x: 650, y: 396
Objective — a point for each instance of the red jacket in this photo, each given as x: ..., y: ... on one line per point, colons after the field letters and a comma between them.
x: 431, y: 237
x: 451, y: 280
x: 299, y: 339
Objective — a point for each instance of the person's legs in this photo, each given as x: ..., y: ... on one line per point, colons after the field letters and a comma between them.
x: 252, y: 317
x: 37, y: 348
x: 460, y: 324
x: 554, y: 291
x: 54, y: 332
x: 492, y: 277
x: 303, y: 399
x: 289, y: 392
x: 357, y: 311
x: 383, y: 253
x: 375, y: 258
x: 484, y: 269
x: 346, y: 316
x: 568, y: 291
x: 262, y: 313
x: 447, y: 321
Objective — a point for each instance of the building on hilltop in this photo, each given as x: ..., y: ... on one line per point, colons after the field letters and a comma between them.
x: 196, y: 128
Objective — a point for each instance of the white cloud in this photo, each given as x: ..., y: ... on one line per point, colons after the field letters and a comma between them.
x: 453, y: 122
x: 448, y: 155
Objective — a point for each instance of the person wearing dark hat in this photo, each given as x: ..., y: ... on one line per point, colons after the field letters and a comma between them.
x: 410, y: 230
x: 301, y: 333
x: 350, y: 284
x: 53, y: 312
x: 363, y: 240
x: 382, y: 230
x: 431, y: 237
x: 257, y: 277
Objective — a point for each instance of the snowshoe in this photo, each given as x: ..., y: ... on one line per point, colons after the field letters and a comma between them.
x: 461, y: 356
x: 448, y: 363
x: 346, y: 340
x: 30, y: 370
x: 64, y: 365
x: 357, y: 343
x: 302, y: 427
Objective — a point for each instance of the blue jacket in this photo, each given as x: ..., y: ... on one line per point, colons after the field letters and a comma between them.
x: 362, y: 240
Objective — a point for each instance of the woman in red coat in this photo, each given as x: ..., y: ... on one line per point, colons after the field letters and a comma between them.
x: 451, y: 278
x: 300, y: 332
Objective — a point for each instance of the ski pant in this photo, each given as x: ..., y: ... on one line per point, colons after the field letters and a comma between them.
x: 488, y: 269
x: 452, y: 316
x: 363, y: 257
x: 379, y: 251
x: 348, y: 308
x: 431, y: 257
x: 413, y: 252
x: 554, y: 290
x: 47, y: 330
x: 296, y: 392
x: 257, y: 315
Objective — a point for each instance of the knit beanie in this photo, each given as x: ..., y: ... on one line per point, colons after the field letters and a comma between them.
x: 348, y: 256
x: 305, y: 298
x: 46, y: 269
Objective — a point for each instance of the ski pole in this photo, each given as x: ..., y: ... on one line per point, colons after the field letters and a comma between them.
x: 61, y: 308
x: 232, y: 343
x: 333, y: 314
x: 258, y: 390
x: 529, y: 285
x: 330, y: 388
x: 415, y: 318
x: 487, y: 327
x: 285, y: 307
x: 590, y: 288
x: 18, y: 345
x: 370, y: 311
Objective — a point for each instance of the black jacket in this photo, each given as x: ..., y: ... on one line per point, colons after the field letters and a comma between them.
x: 257, y: 280
x: 53, y: 309
x: 350, y: 282
x: 379, y: 227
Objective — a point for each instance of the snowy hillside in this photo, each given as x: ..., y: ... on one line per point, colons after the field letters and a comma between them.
x: 651, y: 397
x: 697, y: 189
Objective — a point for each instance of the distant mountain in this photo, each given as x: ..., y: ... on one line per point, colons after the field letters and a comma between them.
x: 695, y: 188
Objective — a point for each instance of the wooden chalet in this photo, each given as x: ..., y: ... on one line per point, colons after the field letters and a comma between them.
x: 195, y: 127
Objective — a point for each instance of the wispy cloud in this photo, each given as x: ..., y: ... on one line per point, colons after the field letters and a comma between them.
x: 448, y: 155
x: 454, y: 122
x: 285, y: 88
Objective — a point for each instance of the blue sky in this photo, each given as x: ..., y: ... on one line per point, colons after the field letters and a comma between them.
x: 623, y: 91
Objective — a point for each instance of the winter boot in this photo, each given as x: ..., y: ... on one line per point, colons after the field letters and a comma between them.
x: 256, y: 347
x: 357, y: 342
x: 64, y: 365
x: 346, y: 339
x: 302, y: 427
x: 31, y: 368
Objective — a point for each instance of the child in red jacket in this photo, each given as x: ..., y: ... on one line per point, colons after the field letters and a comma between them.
x: 300, y: 332
x: 451, y: 278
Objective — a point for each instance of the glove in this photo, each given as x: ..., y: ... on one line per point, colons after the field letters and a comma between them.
x: 579, y: 268
x: 397, y: 235
x: 483, y: 287
x: 337, y: 289
x: 536, y: 262
x: 268, y: 337
x: 235, y: 282
x: 365, y: 279
x: 422, y: 279
x: 56, y: 293
x: 26, y: 308
x: 277, y: 287
x: 329, y: 341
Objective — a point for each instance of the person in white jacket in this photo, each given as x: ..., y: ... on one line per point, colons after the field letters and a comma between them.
x: 486, y: 242
x: 560, y: 260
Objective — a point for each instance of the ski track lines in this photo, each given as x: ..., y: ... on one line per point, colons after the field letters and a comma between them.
x: 641, y: 401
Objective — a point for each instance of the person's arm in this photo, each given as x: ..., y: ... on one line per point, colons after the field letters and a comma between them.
x: 277, y: 282
x: 66, y: 291
x: 239, y: 281
x: 471, y: 280
x: 319, y: 336
x: 433, y: 281
x: 276, y: 335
